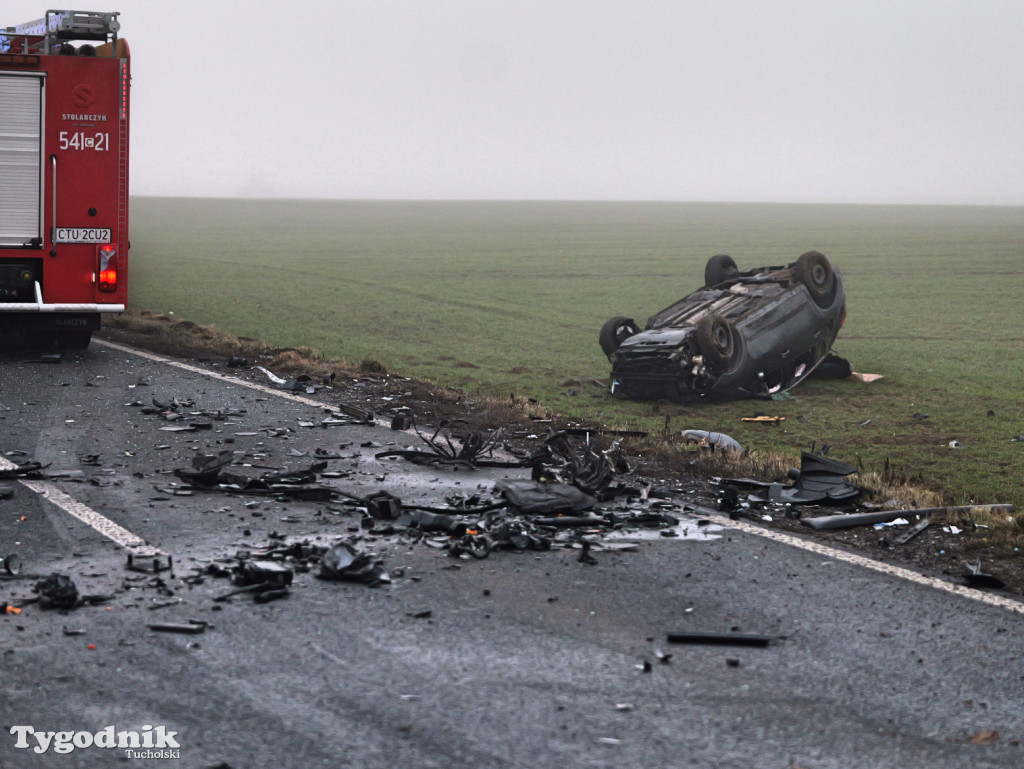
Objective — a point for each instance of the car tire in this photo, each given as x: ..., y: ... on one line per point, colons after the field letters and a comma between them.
x: 615, y: 331
x: 720, y: 268
x: 717, y: 341
x: 815, y: 272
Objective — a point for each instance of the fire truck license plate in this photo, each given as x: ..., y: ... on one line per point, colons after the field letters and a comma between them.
x: 83, y: 235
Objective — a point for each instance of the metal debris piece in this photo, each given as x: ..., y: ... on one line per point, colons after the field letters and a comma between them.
x: 345, y: 562
x: 11, y: 563
x: 363, y: 415
x: 27, y: 470
x: 719, y: 639
x: 589, y: 471
x: 868, y: 519
x: 829, y: 522
x: 912, y: 532
x: 152, y: 561
x: 190, y: 628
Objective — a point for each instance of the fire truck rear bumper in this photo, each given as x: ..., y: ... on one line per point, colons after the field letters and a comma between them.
x: 40, y: 306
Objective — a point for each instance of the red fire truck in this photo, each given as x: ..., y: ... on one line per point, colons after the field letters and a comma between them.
x: 64, y: 83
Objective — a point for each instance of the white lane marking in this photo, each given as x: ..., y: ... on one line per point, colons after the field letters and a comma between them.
x: 82, y: 512
x: 211, y: 374
x: 869, y: 563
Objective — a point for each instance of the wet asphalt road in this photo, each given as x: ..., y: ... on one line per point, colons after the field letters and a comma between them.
x: 525, y: 660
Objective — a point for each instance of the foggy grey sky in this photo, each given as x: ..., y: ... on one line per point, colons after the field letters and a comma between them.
x: 793, y: 100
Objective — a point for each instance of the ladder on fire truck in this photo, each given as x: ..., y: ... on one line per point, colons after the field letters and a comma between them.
x: 48, y: 34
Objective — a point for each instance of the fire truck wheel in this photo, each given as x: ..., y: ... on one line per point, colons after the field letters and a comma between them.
x: 75, y: 339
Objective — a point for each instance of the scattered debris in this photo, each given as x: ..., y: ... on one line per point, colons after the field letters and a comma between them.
x: 439, y: 522
x: 819, y: 479
x: 471, y: 453
x: 208, y: 474
x: 31, y: 470
x: 530, y: 497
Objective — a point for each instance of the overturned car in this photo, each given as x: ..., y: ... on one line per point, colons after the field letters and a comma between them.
x: 744, y: 335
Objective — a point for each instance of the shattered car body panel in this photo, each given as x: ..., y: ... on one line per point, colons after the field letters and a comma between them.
x: 743, y: 335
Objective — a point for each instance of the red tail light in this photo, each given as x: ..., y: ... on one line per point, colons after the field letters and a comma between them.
x: 108, y: 268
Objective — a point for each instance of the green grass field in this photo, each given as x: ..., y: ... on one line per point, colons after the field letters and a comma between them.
x: 509, y: 297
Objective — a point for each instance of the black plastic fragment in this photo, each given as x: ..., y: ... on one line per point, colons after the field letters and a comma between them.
x: 585, y: 556
x: 975, y: 577
x: 344, y: 562
x: 383, y: 506
x: 57, y: 592
x: 263, y: 573
x: 534, y: 498
x: 401, y: 422
x: 719, y: 639
x: 190, y: 628
x: 424, y: 521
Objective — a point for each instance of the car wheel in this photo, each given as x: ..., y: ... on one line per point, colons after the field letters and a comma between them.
x: 615, y: 331
x: 814, y: 271
x: 717, y: 341
x: 719, y: 269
